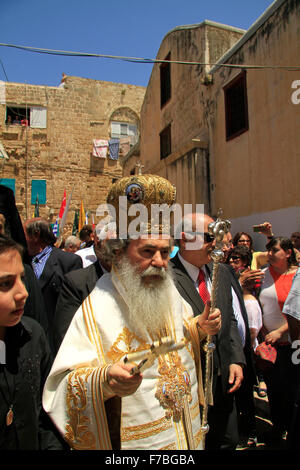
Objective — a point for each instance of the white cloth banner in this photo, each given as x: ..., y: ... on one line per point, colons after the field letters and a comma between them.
x: 100, y: 147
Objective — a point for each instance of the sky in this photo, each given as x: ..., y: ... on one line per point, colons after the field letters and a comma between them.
x: 129, y: 28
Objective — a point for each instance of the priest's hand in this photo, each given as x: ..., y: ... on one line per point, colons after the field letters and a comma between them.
x: 210, y: 322
x: 121, y: 382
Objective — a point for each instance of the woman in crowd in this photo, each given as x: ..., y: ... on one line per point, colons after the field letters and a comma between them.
x: 259, y: 258
x: 274, y: 291
x: 240, y: 260
x: 243, y: 239
x: 24, y: 362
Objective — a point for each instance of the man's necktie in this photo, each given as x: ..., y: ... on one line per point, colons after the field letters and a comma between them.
x: 36, y: 266
x: 203, y: 291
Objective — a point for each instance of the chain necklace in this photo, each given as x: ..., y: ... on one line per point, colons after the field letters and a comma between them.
x: 10, y: 413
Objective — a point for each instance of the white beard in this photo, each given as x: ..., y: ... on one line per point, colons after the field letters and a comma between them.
x: 149, y: 305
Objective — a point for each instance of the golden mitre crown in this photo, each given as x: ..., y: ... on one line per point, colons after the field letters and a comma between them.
x: 141, y: 193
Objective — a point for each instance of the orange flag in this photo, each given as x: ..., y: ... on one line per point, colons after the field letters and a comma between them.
x: 81, y: 217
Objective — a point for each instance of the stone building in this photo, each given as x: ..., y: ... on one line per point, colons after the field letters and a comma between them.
x: 52, y: 149
x: 172, y: 142
x: 255, y: 142
x: 227, y: 136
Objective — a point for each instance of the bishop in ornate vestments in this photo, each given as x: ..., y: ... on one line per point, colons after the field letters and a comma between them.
x: 96, y: 395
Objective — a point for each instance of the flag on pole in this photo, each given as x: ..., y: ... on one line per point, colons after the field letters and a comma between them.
x: 37, y: 207
x: 55, y: 228
x: 81, y: 217
x: 63, y: 206
x: 75, y: 223
x: 64, y: 217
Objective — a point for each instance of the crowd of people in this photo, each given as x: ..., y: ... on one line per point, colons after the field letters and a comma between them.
x: 264, y: 297
x: 104, y: 339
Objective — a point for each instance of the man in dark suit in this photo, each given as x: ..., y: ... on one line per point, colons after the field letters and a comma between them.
x: 229, y: 358
x: 49, y: 263
x: 76, y: 286
x: 35, y: 305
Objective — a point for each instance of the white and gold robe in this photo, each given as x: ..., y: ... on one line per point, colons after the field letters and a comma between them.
x: 99, y: 335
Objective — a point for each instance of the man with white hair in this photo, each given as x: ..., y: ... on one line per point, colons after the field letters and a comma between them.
x: 109, y: 387
x: 72, y: 244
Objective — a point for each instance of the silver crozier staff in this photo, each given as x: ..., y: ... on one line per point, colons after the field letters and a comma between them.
x: 217, y: 229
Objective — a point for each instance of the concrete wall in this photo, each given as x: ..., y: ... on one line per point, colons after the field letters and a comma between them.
x: 255, y: 176
x: 284, y: 223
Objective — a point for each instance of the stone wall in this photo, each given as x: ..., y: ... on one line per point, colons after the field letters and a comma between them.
x: 78, y: 111
x: 201, y: 43
x: 257, y: 171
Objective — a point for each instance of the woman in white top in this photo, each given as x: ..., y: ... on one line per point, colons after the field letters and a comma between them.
x: 240, y: 259
x: 274, y: 291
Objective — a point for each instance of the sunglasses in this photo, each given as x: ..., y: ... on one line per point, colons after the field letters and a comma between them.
x: 208, y: 238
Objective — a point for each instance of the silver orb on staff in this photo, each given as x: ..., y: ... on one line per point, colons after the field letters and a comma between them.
x: 216, y: 229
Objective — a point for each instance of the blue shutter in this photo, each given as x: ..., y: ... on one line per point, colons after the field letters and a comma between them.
x: 9, y: 183
x: 38, y: 187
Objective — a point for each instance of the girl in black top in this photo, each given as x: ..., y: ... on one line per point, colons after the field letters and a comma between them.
x: 24, y: 362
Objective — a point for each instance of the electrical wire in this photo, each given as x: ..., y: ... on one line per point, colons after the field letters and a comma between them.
x: 145, y: 60
x: 4, y: 71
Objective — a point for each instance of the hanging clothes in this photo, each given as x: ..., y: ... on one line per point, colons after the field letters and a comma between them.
x: 100, y: 148
x: 113, y: 146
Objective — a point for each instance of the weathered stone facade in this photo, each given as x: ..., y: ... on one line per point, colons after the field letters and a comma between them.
x: 251, y: 174
x: 187, y: 164
x: 78, y: 111
x: 255, y: 174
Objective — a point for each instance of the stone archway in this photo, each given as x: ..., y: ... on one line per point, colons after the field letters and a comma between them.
x: 125, y: 114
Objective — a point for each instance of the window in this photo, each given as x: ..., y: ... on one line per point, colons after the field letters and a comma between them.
x: 236, y: 107
x: 165, y: 142
x: 165, y: 81
x: 38, y: 118
x: 38, y: 188
x: 14, y: 115
x: 33, y: 116
x: 118, y: 130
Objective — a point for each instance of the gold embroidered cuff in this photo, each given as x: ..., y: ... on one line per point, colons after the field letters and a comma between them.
x: 107, y: 391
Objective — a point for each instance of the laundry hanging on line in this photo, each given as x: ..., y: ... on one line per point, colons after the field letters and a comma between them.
x: 113, y: 146
x: 100, y: 147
